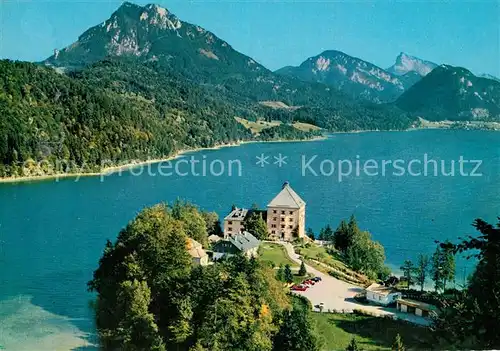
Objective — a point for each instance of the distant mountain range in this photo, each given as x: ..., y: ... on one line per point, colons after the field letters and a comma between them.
x: 359, y: 78
x: 356, y: 77
x: 151, y: 35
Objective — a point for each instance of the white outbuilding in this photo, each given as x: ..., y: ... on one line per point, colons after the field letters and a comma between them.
x: 382, y: 295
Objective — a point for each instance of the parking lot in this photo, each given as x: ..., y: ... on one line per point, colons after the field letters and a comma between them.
x: 338, y: 296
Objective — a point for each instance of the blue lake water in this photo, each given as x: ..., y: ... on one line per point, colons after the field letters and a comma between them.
x: 52, y: 233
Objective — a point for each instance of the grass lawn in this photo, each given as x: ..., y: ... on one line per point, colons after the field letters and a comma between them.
x: 258, y: 126
x: 319, y: 253
x: 305, y: 127
x: 276, y: 254
x: 315, y: 252
x: 371, y: 333
x: 298, y: 279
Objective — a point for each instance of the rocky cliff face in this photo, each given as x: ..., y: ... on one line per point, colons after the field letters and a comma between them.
x: 410, y: 64
x: 153, y: 33
x: 356, y: 77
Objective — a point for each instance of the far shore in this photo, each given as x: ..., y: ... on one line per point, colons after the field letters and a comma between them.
x: 119, y: 168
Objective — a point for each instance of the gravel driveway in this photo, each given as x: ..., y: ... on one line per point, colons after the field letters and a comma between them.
x: 337, y: 295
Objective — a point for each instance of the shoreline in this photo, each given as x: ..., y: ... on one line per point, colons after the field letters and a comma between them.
x: 119, y: 168
x: 125, y: 167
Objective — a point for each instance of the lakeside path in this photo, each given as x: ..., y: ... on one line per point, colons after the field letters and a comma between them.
x: 337, y: 295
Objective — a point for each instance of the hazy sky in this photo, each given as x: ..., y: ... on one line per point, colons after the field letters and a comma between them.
x: 279, y: 33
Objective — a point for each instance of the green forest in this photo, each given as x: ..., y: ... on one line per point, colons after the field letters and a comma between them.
x: 121, y: 110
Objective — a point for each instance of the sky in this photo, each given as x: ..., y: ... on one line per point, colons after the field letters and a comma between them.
x: 284, y: 32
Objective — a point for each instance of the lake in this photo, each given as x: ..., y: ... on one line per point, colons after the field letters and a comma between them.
x: 53, y: 233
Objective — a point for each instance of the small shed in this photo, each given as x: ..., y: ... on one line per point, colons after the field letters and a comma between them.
x: 417, y: 308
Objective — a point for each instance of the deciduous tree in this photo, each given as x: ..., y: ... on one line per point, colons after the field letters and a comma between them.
x: 296, y: 332
x: 409, y: 271
x: 255, y: 224
x: 398, y: 344
x: 423, y: 265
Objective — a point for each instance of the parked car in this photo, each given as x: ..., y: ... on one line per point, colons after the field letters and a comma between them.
x: 316, y: 279
x: 298, y: 288
x: 308, y: 282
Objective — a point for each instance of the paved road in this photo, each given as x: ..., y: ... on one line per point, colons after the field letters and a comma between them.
x: 337, y: 295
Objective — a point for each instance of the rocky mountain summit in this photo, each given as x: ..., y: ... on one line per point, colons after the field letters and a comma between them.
x: 356, y: 77
x: 406, y: 64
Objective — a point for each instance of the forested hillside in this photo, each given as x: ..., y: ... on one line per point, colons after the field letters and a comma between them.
x: 453, y: 93
x: 119, y: 110
x: 86, y: 120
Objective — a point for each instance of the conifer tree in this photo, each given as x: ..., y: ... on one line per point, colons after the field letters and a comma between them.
x: 280, y: 273
x: 302, y: 270
x: 353, y: 345
x: 310, y: 233
x: 288, y: 274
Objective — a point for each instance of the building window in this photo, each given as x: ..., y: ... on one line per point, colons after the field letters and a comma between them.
x: 380, y: 298
x: 290, y: 226
x: 273, y: 225
x: 282, y: 212
x: 229, y: 229
x: 282, y: 226
x: 290, y: 220
x: 229, y: 222
x: 273, y: 231
x: 274, y: 211
x: 275, y: 218
x: 291, y: 212
x: 282, y: 219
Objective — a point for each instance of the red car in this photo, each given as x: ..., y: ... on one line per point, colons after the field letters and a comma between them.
x: 309, y: 282
x: 298, y: 288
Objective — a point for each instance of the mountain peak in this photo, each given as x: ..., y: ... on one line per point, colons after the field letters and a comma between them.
x: 356, y: 77
x: 406, y: 63
x: 158, y: 9
x: 127, y: 6
x: 152, y: 33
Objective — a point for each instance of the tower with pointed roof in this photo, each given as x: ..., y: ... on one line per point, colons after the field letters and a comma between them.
x: 286, y: 215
